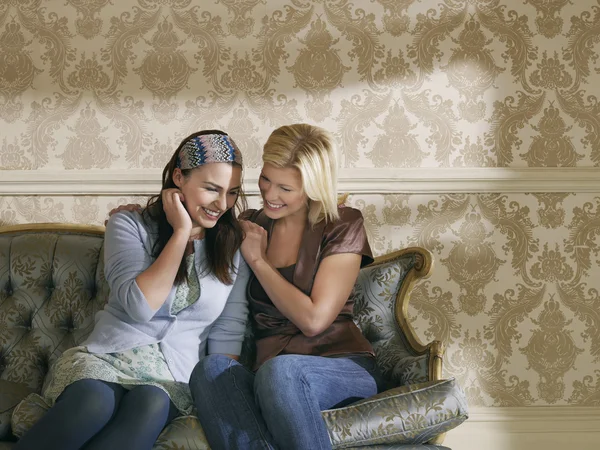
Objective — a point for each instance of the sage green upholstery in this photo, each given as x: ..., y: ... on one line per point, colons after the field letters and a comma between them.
x: 52, y: 285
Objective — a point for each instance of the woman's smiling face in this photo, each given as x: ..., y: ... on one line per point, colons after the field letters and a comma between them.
x: 282, y: 192
x: 209, y: 191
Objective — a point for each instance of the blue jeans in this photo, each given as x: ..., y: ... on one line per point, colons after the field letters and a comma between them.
x: 279, y: 406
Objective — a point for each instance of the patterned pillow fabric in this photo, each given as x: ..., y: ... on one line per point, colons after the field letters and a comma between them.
x: 412, y: 414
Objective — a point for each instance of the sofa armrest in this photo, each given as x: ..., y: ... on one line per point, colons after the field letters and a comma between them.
x: 11, y: 394
x: 406, y: 415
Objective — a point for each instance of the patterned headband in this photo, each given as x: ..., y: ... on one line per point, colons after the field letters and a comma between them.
x: 206, y: 149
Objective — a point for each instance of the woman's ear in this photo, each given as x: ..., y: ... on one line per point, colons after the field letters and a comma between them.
x: 178, y: 177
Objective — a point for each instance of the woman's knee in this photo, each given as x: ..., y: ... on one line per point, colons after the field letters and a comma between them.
x: 209, y: 369
x: 93, y: 399
x: 150, y: 400
x: 283, y: 368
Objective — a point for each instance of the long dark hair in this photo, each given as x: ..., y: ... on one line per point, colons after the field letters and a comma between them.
x: 221, y: 241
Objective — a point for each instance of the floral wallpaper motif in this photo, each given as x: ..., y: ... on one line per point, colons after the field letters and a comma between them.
x: 94, y: 84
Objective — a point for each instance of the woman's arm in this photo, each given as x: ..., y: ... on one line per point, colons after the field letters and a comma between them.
x: 315, y: 313
x: 141, y: 284
x: 333, y: 284
x: 157, y: 280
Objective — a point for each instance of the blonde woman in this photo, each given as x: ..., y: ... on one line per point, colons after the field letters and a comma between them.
x: 305, y: 254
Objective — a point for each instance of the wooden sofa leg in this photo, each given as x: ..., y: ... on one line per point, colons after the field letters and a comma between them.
x: 438, y: 440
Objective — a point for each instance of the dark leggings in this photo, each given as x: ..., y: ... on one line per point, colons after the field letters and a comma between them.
x: 94, y: 414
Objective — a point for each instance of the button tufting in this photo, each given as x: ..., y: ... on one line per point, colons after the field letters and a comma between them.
x: 70, y: 324
x: 44, y: 362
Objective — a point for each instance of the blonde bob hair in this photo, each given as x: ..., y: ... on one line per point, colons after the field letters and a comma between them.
x: 311, y: 150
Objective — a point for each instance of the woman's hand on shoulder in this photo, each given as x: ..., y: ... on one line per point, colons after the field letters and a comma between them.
x: 177, y: 216
x: 132, y: 207
x: 254, y: 246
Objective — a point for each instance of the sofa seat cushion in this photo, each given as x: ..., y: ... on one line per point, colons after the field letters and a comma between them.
x: 182, y: 433
x: 412, y: 414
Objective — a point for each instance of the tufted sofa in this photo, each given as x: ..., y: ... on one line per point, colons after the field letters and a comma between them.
x: 52, y: 285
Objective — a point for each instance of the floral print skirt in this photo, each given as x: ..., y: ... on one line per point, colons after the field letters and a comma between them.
x: 136, y: 367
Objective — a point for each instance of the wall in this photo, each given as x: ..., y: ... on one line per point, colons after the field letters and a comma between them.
x: 470, y: 127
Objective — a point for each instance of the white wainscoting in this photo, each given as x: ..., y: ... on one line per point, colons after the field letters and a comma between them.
x: 528, y: 428
x: 359, y: 181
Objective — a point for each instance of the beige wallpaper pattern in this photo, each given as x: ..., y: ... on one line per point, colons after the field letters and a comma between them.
x: 94, y: 84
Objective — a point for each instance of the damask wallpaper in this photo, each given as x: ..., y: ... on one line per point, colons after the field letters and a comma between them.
x: 95, y: 84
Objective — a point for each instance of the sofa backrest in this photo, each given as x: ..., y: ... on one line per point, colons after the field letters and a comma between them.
x: 52, y: 284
